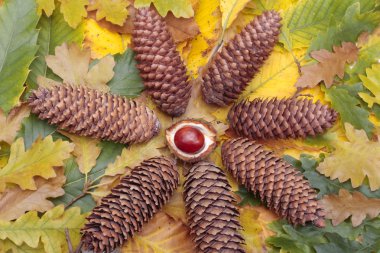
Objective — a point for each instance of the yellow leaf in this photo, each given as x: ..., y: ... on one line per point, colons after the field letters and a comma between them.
x: 102, y: 41
x: 180, y: 8
x: 175, y: 208
x: 50, y: 228
x: 7, y: 246
x: 14, y: 202
x: 115, y: 11
x: 230, y: 9
x: 85, y: 151
x: 47, y: 6
x: 372, y: 83
x: 161, y: 235
x: 73, y: 11
x: 358, y: 206
x: 39, y: 160
x: 355, y: 159
x: 10, y: 124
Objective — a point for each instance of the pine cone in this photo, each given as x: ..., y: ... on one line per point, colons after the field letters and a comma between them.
x: 89, y: 112
x: 160, y: 65
x: 131, y: 203
x: 212, y: 216
x: 285, y: 118
x: 238, y: 62
x: 277, y: 183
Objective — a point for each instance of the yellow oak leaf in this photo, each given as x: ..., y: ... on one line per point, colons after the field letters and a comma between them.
x: 7, y: 246
x: 48, y: 230
x: 85, y: 151
x: 14, y: 202
x: 340, y: 207
x: 161, y: 235
x: 372, y: 83
x: 38, y: 160
x: 354, y: 159
x: 102, y: 41
x: 114, y: 11
x: 47, y: 6
x: 10, y: 124
x: 180, y: 8
x: 175, y: 208
x: 73, y: 11
x: 230, y: 10
x: 72, y: 65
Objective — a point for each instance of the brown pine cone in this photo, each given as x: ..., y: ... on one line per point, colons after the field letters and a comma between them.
x: 212, y: 215
x: 160, y: 65
x: 91, y: 113
x: 131, y: 203
x: 238, y: 62
x: 281, y: 186
x: 284, y: 118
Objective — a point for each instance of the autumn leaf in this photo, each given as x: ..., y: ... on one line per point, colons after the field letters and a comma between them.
x: 230, y: 10
x: 10, y: 124
x: 340, y: 207
x: 14, y: 202
x: 72, y: 65
x: 47, y: 6
x: 39, y: 160
x: 354, y: 159
x: 73, y: 11
x: 49, y: 229
x: 372, y: 83
x: 180, y: 8
x: 330, y: 64
x: 161, y: 235
x: 114, y: 11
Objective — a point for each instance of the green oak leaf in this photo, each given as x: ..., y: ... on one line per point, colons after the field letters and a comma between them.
x: 247, y: 197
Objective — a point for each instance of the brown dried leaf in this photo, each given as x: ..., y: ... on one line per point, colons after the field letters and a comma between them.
x: 358, y: 206
x: 14, y: 202
x: 9, y: 125
x: 329, y: 65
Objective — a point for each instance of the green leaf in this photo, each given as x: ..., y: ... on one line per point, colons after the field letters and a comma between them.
x: 53, y: 32
x: 180, y: 8
x: 32, y: 128
x: 337, y: 244
x: 18, y: 44
x: 348, y: 30
x: 126, y: 80
x: 347, y: 106
x: 247, y: 198
x: 75, y: 180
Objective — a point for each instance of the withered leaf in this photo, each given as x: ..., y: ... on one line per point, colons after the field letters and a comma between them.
x: 9, y: 125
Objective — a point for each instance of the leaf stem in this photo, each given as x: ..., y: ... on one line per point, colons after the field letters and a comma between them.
x: 84, y: 193
x: 68, y: 240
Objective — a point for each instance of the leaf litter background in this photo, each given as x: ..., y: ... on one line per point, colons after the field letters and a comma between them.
x: 329, y: 50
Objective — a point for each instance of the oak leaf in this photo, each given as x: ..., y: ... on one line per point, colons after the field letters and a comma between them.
x: 49, y: 229
x: 14, y: 202
x: 340, y: 207
x: 73, y: 11
x: 10, y: 124
x: 47, y: 6
x: 355, y: 159
x: 180, y: 8
x: 329, y: 65
x: 73, y: 65
x: 114, y: 11
x: 39, y: 160
x: 372, y: 83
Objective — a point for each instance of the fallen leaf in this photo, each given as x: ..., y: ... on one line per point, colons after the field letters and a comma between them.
x: 14, y: 202
x: 39, y: 160
x: 175, y: 208
x: 330, y: 64
x: 180, y: 8
x: 85, y: 151
x: 372, y: 83
x: 161, y: 235
x: 47, y: 6
x: 73, y: 11
x: 230, y: 10
x: 72, y: 65
x: 340, y: 207
x: 10, y: 124
x: 114, y: 11
x: 355, y: 159
x: 49, y: 229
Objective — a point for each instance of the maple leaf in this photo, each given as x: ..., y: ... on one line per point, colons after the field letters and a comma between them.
x: 39, y: 160
x: 47, y: 6
x: 180, y: 8
x: 49, y: 229
x: 114, y: 11
x: 329, y: 65
x: 340, y: 207
x: 10, y: 124
x: 85, y: 151
x: 161, y: 235
x: 73, y: 11
x: 14, y: 202
x: 72, y: 65
x: 372, y: 83
x: 354, y: 159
